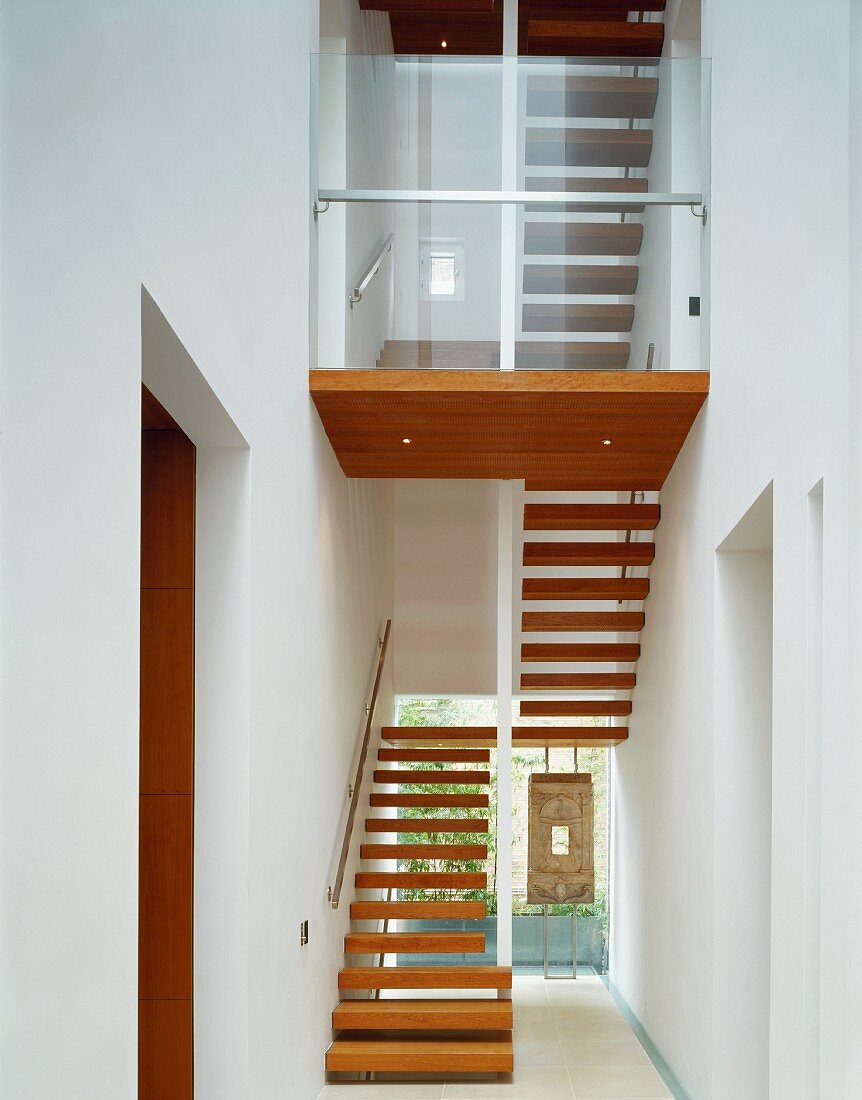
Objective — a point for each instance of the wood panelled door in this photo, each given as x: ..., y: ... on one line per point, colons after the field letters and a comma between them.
x: 166, y: 845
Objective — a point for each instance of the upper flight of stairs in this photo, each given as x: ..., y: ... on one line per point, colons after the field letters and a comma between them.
x: 449, y: 1035
x: 570, y: 144
x: 599, y: 542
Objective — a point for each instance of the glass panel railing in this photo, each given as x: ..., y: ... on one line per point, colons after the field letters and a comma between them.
x: 511, y: 213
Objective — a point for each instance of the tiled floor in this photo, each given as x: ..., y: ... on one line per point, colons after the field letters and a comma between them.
x: 571, y: 1043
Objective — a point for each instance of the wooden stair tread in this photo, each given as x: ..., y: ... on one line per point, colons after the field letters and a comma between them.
x: 588, y: 553
x: 431, y: 778
x: 431, y: 943
x: 582, y: 238
x: 591, y: 517
x: 580, y: 279
x: 423, y: 851
x: 539, y: 652
x: 585, y: 588
x: 578, y: 147
x: 568, y: 736
x: 485, y: 355
x: 594, y: 38
x: 418, y: 910
x: 568, y: 317
x: 575, y: 708
x: 623, y: 185
x: 574, y: 96
x: 522, y: 736
x: 425, y: 977
x: 401, y: 733
x: 582, y: 621
x: 442, y: 756
x: 571, y: 355
x: 399, y: 1055
x: 441, y: 801
x: 426, y: 824
x: 459, y: 1014
x: 577, y: 681
x: 422, y: 880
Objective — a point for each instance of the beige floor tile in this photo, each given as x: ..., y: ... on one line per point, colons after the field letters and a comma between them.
x: 537, y: 1052
x: 528, y: 1083
x: 616, y: 1083
x: 581, y: 1026
x: 605, y: 1052
x: 530, y: 998
x: 535, y: 1027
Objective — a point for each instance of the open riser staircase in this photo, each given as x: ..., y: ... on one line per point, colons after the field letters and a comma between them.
x: 416, y: 1018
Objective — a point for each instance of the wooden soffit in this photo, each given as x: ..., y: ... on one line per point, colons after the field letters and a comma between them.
x: 510, y: 424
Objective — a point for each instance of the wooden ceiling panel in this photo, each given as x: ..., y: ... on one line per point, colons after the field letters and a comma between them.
x: 510, y: 424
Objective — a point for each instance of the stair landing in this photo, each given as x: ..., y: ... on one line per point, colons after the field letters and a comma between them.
x: 544, y: 424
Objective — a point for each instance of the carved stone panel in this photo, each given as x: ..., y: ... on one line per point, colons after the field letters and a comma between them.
x: 560, y: 866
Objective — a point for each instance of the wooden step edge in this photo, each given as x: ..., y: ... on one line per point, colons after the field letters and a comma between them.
x: 424, y: 1014
x: 406, y: 825
x: 397, y: 1055
x: 412, y: 943
x: 425, y: 977
x: 422, y: 880
x: 432, y: 778
x: 452, y: 852
x: 418, y: 910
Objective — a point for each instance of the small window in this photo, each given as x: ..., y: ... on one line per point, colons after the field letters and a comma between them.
x: 441, y: 271
x: 559, y: 840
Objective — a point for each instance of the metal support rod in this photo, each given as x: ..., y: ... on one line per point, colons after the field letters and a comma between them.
x: 511, y: 198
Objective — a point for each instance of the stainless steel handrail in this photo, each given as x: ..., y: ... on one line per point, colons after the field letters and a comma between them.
x: 334, y: 891
x: 515, y: 198
x: 356, y: 296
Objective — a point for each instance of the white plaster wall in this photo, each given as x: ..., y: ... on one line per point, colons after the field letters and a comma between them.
x: 777, y: 411
x: 446, y: 587
x: 164, y: 145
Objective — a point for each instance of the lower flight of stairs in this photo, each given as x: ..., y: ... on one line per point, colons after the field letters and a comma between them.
x: 449, y: 1033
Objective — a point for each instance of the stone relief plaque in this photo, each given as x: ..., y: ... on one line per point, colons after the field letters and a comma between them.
x: 560, y: 866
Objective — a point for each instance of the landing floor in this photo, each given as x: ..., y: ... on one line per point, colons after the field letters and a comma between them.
x: 571, y: 1043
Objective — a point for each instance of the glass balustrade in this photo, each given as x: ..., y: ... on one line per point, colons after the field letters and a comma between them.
x: 510, y: 213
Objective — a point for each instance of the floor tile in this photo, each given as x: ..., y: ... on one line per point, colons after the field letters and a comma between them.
x: 605, y: 1052
x: 579, y: 1026
x: 617, y: 1083
x: 537, y: 1052
x: 528, y: 1083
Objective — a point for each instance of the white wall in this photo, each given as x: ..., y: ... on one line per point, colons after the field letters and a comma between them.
x: 164, y: 146
x: 777, y: 411
x: 446, y: 587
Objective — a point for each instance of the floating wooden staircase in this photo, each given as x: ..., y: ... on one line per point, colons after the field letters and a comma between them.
x: 606, y: 538
x: 447, y: 1035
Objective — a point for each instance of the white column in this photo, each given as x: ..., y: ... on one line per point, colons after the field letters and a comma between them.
x: 504, y: 725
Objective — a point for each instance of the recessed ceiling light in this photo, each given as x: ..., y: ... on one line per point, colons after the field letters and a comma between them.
x: 406, y: 440
x: 443, y: 43
x: 606, y: 443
